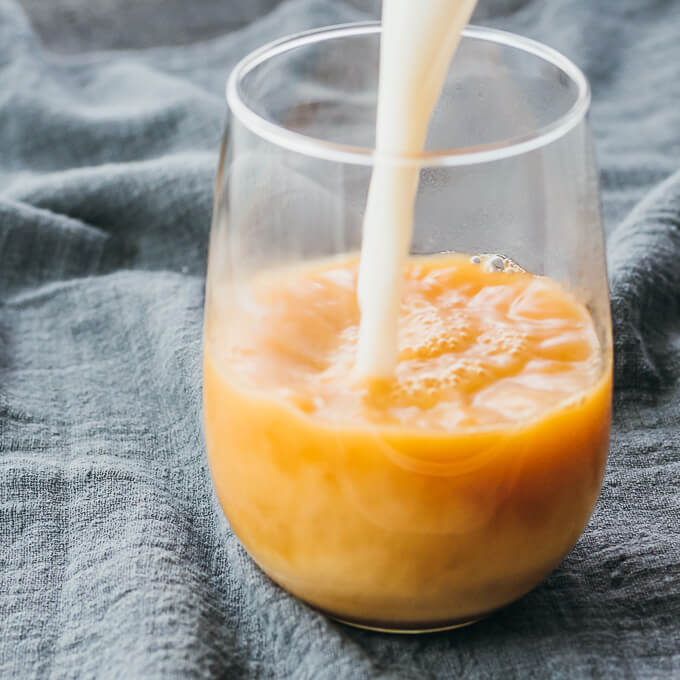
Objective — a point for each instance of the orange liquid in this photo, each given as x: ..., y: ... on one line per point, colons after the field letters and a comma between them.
x: 430, y: 498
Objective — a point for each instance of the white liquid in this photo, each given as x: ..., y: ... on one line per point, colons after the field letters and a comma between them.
x: 419, y: 38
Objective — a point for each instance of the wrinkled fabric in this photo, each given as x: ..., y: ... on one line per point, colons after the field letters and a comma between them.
x: 115, y: 559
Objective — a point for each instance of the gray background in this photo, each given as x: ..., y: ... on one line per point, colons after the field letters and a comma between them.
x: 78, y: 25
x: 69, y: 26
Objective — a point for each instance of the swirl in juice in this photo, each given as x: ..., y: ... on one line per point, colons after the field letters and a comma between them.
x: 428, y: 498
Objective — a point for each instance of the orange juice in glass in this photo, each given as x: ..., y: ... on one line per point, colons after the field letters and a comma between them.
x: 431, y: 497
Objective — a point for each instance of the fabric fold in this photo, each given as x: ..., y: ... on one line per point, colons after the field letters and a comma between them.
x: 644, y: 265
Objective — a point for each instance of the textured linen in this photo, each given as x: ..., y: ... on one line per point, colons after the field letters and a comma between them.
x: 115, y: 560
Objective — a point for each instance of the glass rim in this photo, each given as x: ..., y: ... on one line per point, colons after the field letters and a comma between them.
x: 359, y: 155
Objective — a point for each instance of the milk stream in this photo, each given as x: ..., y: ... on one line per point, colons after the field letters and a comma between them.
x: 417, y: 45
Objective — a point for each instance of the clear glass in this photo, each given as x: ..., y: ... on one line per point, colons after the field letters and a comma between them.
x: 402, y: 532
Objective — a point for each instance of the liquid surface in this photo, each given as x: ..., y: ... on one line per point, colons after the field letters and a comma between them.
x: 430, y: 498
x: 477, y: 347
x: 417, y: 44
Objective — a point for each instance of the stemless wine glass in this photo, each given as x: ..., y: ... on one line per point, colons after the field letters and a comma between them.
x: 402, y: 533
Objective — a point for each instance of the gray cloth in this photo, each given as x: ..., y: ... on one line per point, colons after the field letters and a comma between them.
x: 115, y: 560
x: 69, y: 26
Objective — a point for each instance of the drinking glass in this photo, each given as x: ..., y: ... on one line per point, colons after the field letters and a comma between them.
x: 358, y: 527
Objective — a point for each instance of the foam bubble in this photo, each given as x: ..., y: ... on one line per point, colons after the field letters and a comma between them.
x: 493, y: 262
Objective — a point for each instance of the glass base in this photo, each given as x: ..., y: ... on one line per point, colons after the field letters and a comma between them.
x: 418, y: 630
